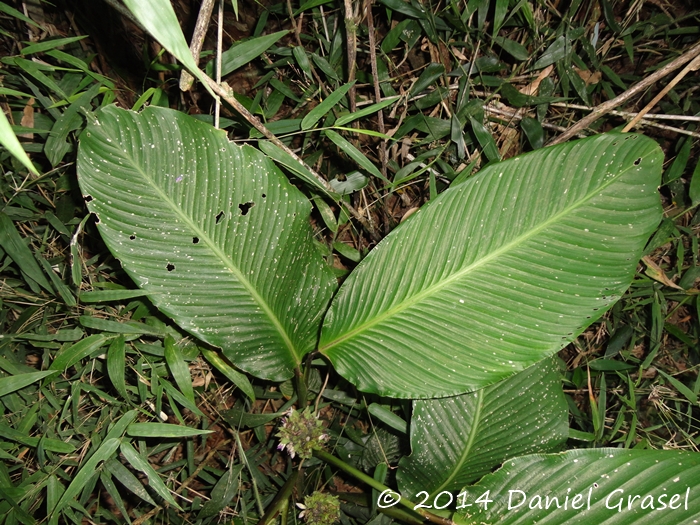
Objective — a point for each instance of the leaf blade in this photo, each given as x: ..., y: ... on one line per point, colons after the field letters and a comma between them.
x: 213, y: 232
x: 522, y: 275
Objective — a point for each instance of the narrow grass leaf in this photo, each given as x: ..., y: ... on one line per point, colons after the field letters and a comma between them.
x: 177, y: 396
x: 679, y: 163
x: 499, y: 15
x: 8, y: 10
x: 222, y: 493
x: 684, y: 390
x: 87, y: 470
x: 116, y: 365
x: 388, y: 417
x: 352, y: 182
x: 101, y: 296
x: 513, y: 48
x: 429, y: 75
x: 118, y: 428
x: 285, y: 159
x: 41, y: 47
x: 17, y: 512
x: 355, y: 154
x: 533, y: 131
x: 21, y: 255
x: 63, y: 291
x: 53, y: 445
x: 72, y: 334
x: 75, y: 261
x: 163, y: 430
x: 9, y: 141
x: 244, y: 52
x: 111, y: 489
x: 127, y: 478
x: 34, y: 70
x: 309, y: 4
x: 555, y: 52
x: 74, y: 353
x: 326, y: 213
x: 57, y: 143
x: 316, y: 114
x: 412, y: 10
x: 485, y: 139
x: 179, y: 369
x: 17, y: 382
x: 154, y: 481
x: 233, y: 375
x: 128, y: 327
x: 54, y: 491
x: 369, y: 110
x: 348, y: 252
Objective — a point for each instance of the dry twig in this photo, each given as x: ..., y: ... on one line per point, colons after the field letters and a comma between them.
x: 605, y: 107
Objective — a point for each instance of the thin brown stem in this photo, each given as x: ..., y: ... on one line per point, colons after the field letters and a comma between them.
x: 375, y: 78
x: 642, y: 85
x: 200, y: 31
x: 351, y: 45
x: 693, y: 66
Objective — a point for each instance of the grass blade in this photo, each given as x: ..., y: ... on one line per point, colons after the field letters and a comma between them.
x: 154, y: 481
x: 163, y: 430
x: 89, y: 468
x: 178, y: 368
x: 316, y: 114
x: 17, y: 382
x: 13, y: 244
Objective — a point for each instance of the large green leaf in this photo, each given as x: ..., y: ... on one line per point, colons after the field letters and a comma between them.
x: 457, y: 440
x: 611, y: 486
x: 498, y: 272
x: 213, y: 232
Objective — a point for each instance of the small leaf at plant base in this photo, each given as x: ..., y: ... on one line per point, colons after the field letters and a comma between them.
x: 456, y: 440
x: 498, y: 272
x: 212, y: 231
x: 606, y: 478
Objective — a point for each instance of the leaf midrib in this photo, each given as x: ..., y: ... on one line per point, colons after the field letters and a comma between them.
x: 469, y: 444
x: 206, y: 239
x: 481, y: 262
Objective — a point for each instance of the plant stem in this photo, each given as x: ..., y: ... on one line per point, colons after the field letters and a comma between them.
x: 279, y: 503
x: 332, y: 460
x: 300, y: 387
